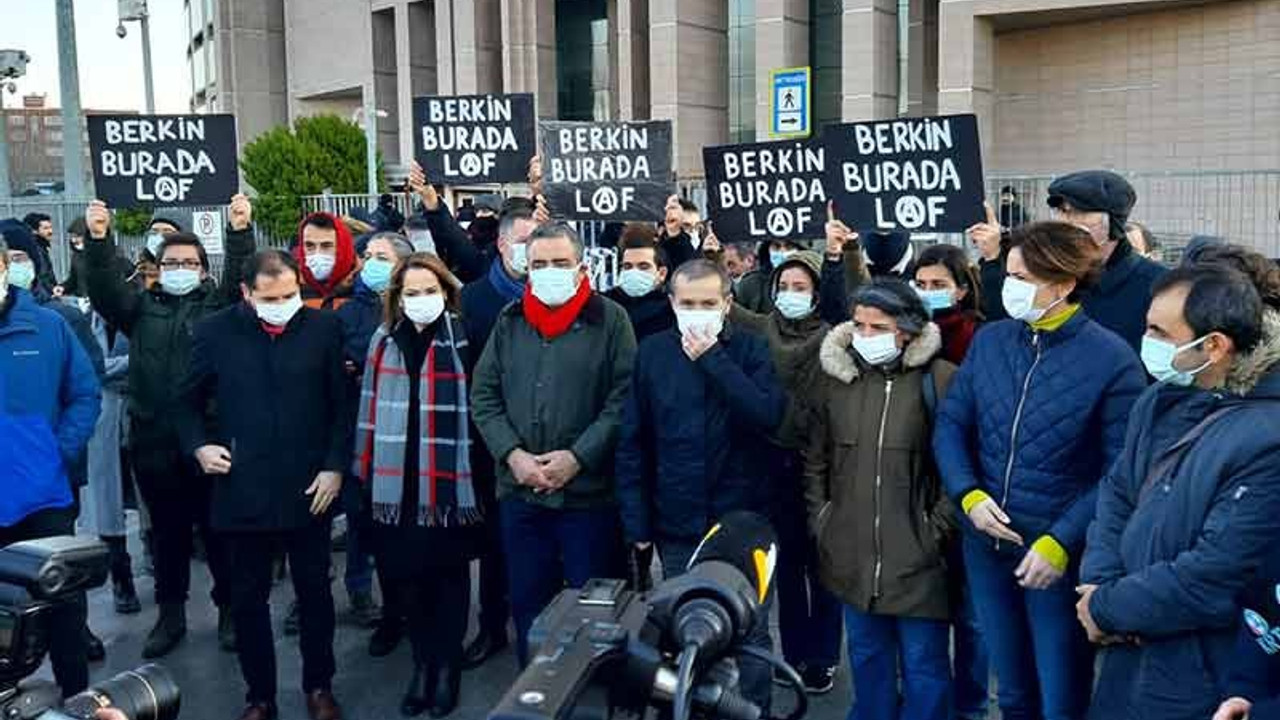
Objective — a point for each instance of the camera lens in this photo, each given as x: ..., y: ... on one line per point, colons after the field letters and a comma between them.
x: 147, y: 693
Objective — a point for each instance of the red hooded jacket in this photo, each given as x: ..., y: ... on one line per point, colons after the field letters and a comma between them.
x: 344, y: 266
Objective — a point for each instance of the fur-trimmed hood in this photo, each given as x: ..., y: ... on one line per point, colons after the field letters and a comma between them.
x: 1249, y: 369
x: 838, y: 359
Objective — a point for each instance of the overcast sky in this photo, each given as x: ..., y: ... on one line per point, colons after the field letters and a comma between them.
x: 110, y: 68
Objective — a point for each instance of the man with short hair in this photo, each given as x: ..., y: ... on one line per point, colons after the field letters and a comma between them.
x: 326, y: 253
x: 1100, y: 202
x: 695, y: 433
x: 680, y: 236
x: 49, y: 403
x: 641, y: 287
x: 1187, y: 513
x: 276, y: 442
x: 42, y: 226
x: 547, y: 396
x: 158, y: 323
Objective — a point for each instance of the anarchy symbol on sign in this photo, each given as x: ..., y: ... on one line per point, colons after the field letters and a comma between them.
x: 604, y: 201
x: 910, y: 211
x: 779, y: 222
x: 470, y: 165
x: 166, y: 189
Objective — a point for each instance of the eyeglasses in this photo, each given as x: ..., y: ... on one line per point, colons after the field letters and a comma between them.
x: 181, y: 265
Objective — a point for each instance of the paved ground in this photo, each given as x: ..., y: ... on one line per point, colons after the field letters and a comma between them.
x: 369, y: 688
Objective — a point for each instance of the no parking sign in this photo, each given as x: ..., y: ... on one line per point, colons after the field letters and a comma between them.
x: 207, y: 226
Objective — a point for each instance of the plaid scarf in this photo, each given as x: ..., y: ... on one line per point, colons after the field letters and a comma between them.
x: 446, y: 495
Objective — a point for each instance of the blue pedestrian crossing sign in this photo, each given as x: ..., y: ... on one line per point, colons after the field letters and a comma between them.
x: 789, y: 103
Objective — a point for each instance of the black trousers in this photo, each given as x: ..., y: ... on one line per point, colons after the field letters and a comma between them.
x: 250, y: 555
x: 495, y: 606
x: 67, y: 650
x: 177, y: 496
x: 432, y: 586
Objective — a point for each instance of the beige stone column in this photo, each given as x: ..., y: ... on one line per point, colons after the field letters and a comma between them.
x: 869, y: 41
x: 782, y: 41
x: 415, y: 65
x: 922, y: 58
x: 689, y: 71
x: 632, y: 58
x: 966, y: 66
x: 529, y: 51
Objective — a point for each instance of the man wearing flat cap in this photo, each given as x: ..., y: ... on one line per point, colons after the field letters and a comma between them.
x: 1100, y: 201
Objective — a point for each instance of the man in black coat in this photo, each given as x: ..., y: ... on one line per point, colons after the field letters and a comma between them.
x: 277, y: 443
x: 642, y: 282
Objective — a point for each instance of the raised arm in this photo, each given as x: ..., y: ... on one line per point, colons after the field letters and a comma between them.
x: 113, y: 296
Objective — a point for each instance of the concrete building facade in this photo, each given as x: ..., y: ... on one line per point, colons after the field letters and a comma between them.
x: 36, y: 153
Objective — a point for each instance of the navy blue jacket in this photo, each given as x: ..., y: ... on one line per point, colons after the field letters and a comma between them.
x: 49, y: 404
x: 1171, y: 562
x: 361, y: 315
x: 1043, y: 468
x: 694, y: 439
x: 1120, y: 300
x: 1255, y: 666
x: 282, y: 407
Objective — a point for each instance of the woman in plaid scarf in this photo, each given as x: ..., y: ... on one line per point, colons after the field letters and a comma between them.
x: 412, y: 450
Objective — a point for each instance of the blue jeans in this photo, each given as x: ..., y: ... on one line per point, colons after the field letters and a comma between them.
x: 971, y: 665
x: 1041, y: 655
x: 809, y: 616
x: 756, y: 676
x: 881, y: 644
x: 549, y: 549
x: 358, y: 575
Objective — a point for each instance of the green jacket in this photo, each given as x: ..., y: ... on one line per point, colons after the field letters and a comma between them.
x: 565, y: 393
x: 159, y: 327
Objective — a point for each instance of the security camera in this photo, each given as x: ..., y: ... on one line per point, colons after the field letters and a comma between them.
x: 13, y: 63
x: 13, y: 88
x: 121, y: 31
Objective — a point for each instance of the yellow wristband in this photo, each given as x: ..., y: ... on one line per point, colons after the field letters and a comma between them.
x: 973, y: 498
x: 1052, y: 551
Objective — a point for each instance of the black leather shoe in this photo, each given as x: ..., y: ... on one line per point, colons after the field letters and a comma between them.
x: 448, y: 688
x: 259, y: 711
x: 485, y: 645
x: 93, y: 646
x: 226, y: 630
x: 126, y: 597
x: 422, y: 690
x: 170, y: 628
x: 386, y: 637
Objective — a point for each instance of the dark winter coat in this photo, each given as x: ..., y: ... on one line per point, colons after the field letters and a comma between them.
x: 565, y: 393
x: 360, y: 315
x: 77, y: 282
x: 991, y: 274
x: 1173, y: 555
x: 875, y: 502
x: 1120, y: 301
x: 159, y: 327
x: 958, y: 327
x: 467, y: 261
x: 50, y: 399
x: 840, y: 278
x: 1254, y: 670
x: 752, y: 291
x: 650, y: 314
x: 693, y: 439
x: 1035, y: 419
x: 281, y: 405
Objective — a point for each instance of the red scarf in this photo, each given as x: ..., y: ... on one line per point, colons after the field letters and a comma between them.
x: 553, y: 322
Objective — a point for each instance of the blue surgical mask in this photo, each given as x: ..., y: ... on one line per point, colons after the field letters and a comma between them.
x: 22, y: 274
x: 154, y: 240
x: 554, y: 286
x: 376, y: 274
x: 321, y: 265
x: 637, y: 283
x: 777, y: 257
x: 1158, y: 356
x: 179, y: 281
x: 879, y: 349
x: 794, y: 305
x: 936, y: 300
x: 520, y: 258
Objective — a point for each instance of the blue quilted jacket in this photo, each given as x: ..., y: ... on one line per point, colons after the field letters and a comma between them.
x: 1035, y: 419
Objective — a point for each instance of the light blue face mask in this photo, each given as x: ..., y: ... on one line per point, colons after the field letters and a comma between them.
x: 937, y: 300
x: 22, y: 274
x: 637, y: 283
x: 777, y: 257
x: 794, y: 305
x: 376, y: 274
x: 1158, y: 356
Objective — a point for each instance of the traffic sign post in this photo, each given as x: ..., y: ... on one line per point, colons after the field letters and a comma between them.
x: 790, y: 103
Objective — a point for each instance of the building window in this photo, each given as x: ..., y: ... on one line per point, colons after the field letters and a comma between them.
x: 53, y: 136
x: 825, y: 60
x: 582, y: 59
x: 53, y: 121
x: 53, y: 150
x: 18, y: 120
x: 212, y: 58
x: 742, y: 71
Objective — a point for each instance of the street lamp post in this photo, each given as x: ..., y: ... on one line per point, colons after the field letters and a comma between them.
x: 131, y: 10
x: 367, y: 117
x: 13, y: 65
x: 72, y: 119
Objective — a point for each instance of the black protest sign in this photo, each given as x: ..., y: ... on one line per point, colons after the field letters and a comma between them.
x: 606, y: 171
x: 912, y: 174
x: 766, y: 191
x: 471, y: 139
x: 163, y: 160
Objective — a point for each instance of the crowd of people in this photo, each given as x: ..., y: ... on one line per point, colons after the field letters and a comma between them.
x: 1055, y: 465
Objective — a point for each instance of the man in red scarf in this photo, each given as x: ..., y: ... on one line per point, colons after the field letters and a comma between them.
x: 326, y: 253
x: 547, y: 396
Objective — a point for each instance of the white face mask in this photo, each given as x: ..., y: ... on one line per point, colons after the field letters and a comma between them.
x: 520, y: 258
x: 554, y: 286
x: 423, y: 309
x: 1019, y: 297
x: 321, y: 265
x: 879, y: 349
x: 278, y: 314
x: 794, y: 305
x: 710, y: 322
x: 179, y: 281
x: 154, y: 239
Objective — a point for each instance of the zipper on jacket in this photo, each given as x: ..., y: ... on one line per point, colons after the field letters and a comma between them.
x: 1017, y: 421
x: 884, y: 417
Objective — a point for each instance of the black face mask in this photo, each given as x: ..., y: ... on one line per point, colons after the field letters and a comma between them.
x: 484, y: 230
x: 885, y: 250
